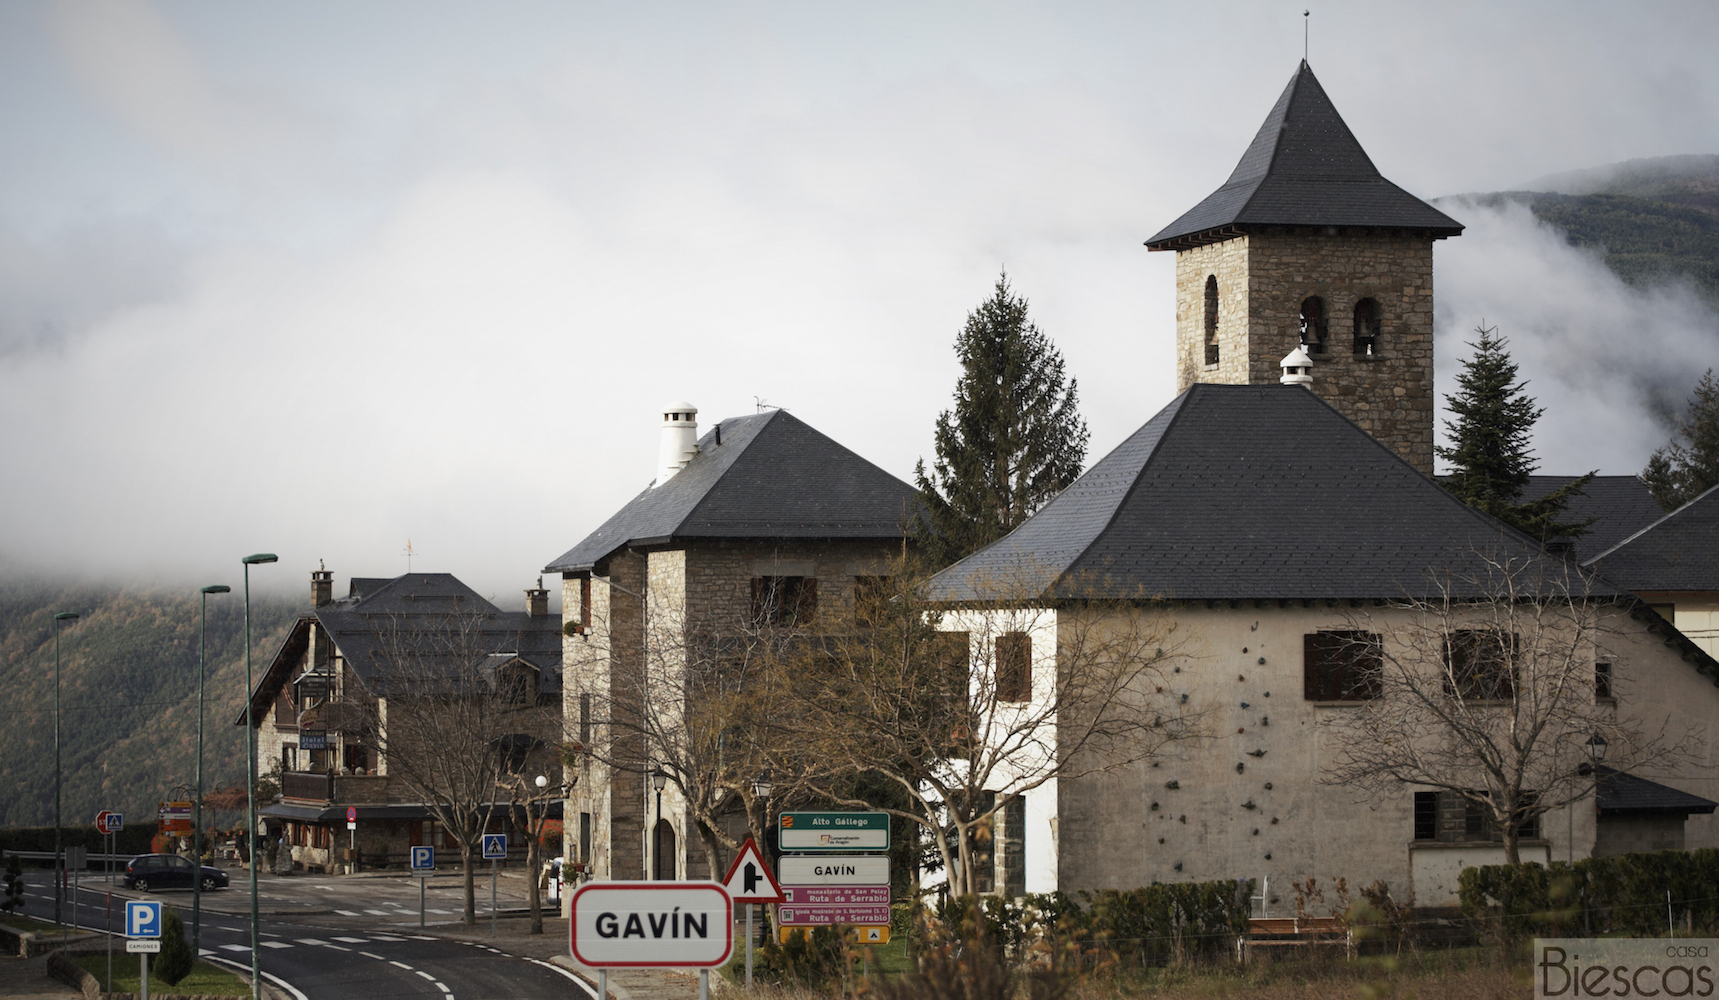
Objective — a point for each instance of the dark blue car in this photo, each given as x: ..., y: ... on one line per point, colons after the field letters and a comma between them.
x: 170, y: 871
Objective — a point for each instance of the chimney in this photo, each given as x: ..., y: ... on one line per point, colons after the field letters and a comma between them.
x: 321, y: 585
x: 537, y: 600
x: 679, y: 440
x: 1297, y: 368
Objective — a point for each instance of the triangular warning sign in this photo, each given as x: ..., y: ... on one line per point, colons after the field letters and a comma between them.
x: 750, y: 880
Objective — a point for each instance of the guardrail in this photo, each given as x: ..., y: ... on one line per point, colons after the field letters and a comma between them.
x: 49, y: 856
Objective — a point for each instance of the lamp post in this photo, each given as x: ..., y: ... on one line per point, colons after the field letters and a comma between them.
x: 659, y: 778
x: 197, y: 820
x: 762, y: 786
x: 59, y: 855
x: 251, y: 770
x: 1596, y: 748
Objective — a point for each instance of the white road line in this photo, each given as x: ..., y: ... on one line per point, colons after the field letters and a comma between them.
x: 443, y: 912
x: 235, y: 947
x: 385, y: 937
x: 349, y: 913
x: 379, y: 958
x: 274, y: 944
x: 310, y: 941
x: 271, y: 977
x: 426, y: 975
x: 352, y: 940
x: 402, y: 965
x: 443, y: 987
x: 552, y: 967
x: 377, y: 913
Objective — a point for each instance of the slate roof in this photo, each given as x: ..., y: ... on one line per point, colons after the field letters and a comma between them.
x: 1304, y: 168
x: 1619, y: 506
x: 1679, y: 551
x: 1621, y: 793
x: 446, y: 624
x: 773, y: 476
x: 1240, y: 492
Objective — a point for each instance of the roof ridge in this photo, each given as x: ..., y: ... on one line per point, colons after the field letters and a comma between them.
x: 1702, y: 496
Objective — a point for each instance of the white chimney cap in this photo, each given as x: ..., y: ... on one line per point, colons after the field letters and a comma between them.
x: 1297, y: 368
x: 679, y: 412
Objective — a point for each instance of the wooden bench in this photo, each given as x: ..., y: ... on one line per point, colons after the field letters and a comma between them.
x: 1295, y: 932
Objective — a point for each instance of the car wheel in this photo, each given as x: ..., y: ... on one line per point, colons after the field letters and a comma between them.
x: 209, y: 883
x: 141, y: 885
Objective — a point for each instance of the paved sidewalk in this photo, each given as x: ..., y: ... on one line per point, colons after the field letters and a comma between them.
x: 27, y: 979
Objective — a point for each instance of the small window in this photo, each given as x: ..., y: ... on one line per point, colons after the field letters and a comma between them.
x: 1014, y: 667
x: 785, y: 601
x: 584, y: 838
x: 585, y: 601
x: 1369, y: 322
x: 585, y: 720
x: 1211, y: 319
x: 1603, y: 680
x: 1315, y: 325
x: 1341, y: 666
x: 1426, y: 815
x: 1480, y: 664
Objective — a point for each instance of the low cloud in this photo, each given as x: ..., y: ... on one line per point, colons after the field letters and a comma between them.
x: 1609, y: 362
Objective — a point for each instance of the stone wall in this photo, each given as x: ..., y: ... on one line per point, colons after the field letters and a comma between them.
x: 1638, y: 835
x: 1263, y: 279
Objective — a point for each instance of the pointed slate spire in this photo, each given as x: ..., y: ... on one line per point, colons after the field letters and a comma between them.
x: 1304, y: 168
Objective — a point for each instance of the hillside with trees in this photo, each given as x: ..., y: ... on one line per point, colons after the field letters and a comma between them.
x: 128, y: 690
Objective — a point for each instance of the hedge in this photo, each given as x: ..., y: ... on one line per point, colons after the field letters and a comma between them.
x: 1623, y: 894
x: 131, y: 840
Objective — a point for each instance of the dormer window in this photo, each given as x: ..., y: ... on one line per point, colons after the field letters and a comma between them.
x: 1369, y: 323
x: 1315, y: 324
x: 1211, y: 319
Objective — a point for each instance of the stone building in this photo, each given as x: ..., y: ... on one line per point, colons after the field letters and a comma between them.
x: 1261, y: 521
x: 762, y: 519
x: 314, y: 703
x: 1307, y: 244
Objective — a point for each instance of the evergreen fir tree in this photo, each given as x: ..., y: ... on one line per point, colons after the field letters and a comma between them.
x: 175, y: 960
x: 1490, y: 452
x: 1678, y: 473
x: 1014, y: 439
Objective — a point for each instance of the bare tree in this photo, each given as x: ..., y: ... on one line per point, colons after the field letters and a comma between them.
x: 529, y: 795
x: 454, y: 720
x: 1485, y: 687
x: 960, y: 710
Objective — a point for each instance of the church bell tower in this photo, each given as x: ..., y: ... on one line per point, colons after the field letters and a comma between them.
x: 1307, y: 245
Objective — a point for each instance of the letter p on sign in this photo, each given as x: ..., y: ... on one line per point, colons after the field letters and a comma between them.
x: 142, y: 920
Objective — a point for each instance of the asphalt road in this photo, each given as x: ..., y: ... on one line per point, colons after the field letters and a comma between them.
x: 365, y: 944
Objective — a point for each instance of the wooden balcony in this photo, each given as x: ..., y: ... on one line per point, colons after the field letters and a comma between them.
x: 329, y: 789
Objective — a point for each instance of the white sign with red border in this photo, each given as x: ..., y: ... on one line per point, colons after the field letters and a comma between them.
x: 749, y: 879
x: 646, y: 924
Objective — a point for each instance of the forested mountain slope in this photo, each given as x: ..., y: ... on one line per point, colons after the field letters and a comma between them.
x: 128, y: 695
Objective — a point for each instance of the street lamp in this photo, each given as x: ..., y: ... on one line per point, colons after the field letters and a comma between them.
x: 251, y: 772
x: 1596, y: 748
x: 59, y: 863
x: 197, y: 821
x: 659, y: 778
x: 762, y: 785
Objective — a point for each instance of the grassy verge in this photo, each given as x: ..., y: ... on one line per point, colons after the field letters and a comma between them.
x: 1461, y: 974
x: 204, y: 980
x: 24, y: 923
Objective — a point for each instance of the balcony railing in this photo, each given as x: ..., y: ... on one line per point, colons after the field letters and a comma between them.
x: 318, y: 786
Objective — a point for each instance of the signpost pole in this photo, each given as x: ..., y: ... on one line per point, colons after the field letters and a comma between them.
x: 749, y: 907
x: 492, y: 897
x: 109, y: 928
x: 143, y: 963
x: 421, y: 881
x: 703, y: 985
x: 602, y: 984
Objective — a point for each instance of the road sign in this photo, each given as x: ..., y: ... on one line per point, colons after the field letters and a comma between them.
x: 866, y: 935
x: 495, y: 846
x: 834, y: 831
x: 837, y: 895
x: 640, y: 925
x: 174, y: 817
x: 146, y: 946
x: 857, y: 869
x: 812, y: 916
x: 142, y: 920
x: 110, y: 822
x: 351, y: 814
x: 749, y: 879
x: 423, y: 860
x: 313, y: 739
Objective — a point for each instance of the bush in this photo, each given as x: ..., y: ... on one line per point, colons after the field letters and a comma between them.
x: 175, y: 959
x: 14, y: 886
x: 1624, y: 894
x: 812, y: 960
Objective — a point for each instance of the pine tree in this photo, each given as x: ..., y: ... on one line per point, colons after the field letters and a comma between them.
x: 1490, y: 452
x: 1678, y: 473
x: 1014, y: 439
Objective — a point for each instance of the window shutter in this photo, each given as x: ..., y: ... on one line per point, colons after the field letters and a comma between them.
x: 1312, y: 667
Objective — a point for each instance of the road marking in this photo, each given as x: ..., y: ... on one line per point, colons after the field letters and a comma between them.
x: 377, y: 913
x: 379, y: 958
x: 424, y: 937
x: 385, y: 937
x: 353, y: 940
x: 443, y: 912
x: 235, y: 947
x: 443, y: 987
x: 271, y: 977
x: 349, y: 913
x: 587, y: 987
x: 426, y: 975
x: 274, y: 944
x: 310, y: 941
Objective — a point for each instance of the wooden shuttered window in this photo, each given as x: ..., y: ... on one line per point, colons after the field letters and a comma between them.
x: 1481, y: 664
x: 784, y: 600
x: 1014, y: 667
x: 1341, y: 665
x: 1451, y: 818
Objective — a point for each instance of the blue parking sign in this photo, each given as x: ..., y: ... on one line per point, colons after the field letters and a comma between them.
x: 495, y: 847
x: 142, y: 920
x: 423, y: 858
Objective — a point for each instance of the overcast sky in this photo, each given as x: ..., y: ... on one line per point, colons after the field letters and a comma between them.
x: 319, y: 278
